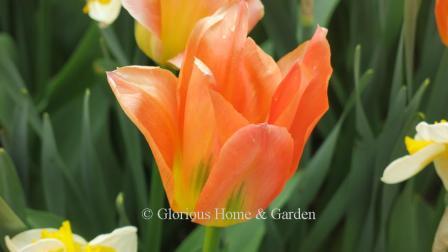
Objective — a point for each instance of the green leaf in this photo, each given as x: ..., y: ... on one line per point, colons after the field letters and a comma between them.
x: 437, y: 106
x: 193, y: 243
x: 53, y: 178
x: 309, y: 183
x: 10, y: 187
x: 403, y: 227
x: 280, y: 21
x: 41, y: 219
x: 114, y: 45
x: 153, y: 228
x: 92, y: 173
x: 323, y: 10
x: 76, y: 74
x: 135, y: 187
x: 244, y: 237
x: 55, y: 170
x: 411, y: 9
x: 10, y: 223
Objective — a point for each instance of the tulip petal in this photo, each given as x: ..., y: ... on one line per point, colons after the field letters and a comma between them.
x: 256, y: 12
x: 237, y: 63
x: 217, y: 41
x: 301, y: 99
x: 148, y: 97
x: 178, y: 18
x: 407, y: 166
x: 289, y: 60
x: 441, y: 165
x: 256, y: 79
x: 198, y: 139
x: 122, y: 240
x: 149, y: 43
x: 228, y: 120
x: 441, y: 12
x: 287, y: 98
x: 146, y: 12
x: 251, y: 170
x: 433, y: 132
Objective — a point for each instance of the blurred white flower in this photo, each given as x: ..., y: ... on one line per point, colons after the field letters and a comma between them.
x: 38, y: 240
x: 103, y: 11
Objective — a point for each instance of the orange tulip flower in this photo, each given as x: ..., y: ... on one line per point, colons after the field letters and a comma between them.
x: 230, y: 131
x: 163, y: 27
x: 442, y: 19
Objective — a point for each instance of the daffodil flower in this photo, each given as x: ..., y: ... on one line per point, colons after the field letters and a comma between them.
x: 63, y: 240
x: 103, y: 11
x: 430, y: 144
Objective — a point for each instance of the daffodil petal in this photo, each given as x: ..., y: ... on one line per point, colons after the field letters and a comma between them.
x: 441, y: 165
x: 104, y: 13
x: 122, y: 239
x: 407, y: 166
x: 43, y: 245
x: 22, y: 240
x: 440, y: 243
x: 10, y: 245
x: 433, y: 132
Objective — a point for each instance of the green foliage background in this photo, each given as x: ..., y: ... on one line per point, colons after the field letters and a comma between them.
x: 68, y: 151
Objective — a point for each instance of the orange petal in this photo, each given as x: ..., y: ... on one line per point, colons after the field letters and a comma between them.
x: 149, y: 43
x: 179, y: 17
x: 198, y: 139
x: 301, y: 99
x: 146, y: 12
x: 148, y: 97
x: 256, y: 11
x: 251, y: 170
x: 287, y: 97
x: 228, y: 120
x: 286, y: 62
x: 256, y: 79
x: 216, y: 41
x: 245, y: 75
x: 441, y: 12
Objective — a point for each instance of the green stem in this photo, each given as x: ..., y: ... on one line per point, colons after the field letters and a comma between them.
x: 211, y: 239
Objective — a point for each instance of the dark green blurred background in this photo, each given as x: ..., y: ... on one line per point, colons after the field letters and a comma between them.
x: 68, y: 151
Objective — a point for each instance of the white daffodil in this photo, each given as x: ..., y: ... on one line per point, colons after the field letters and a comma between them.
x: 430, y: 144
x: 63, y: 240
x: 103, y: 11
